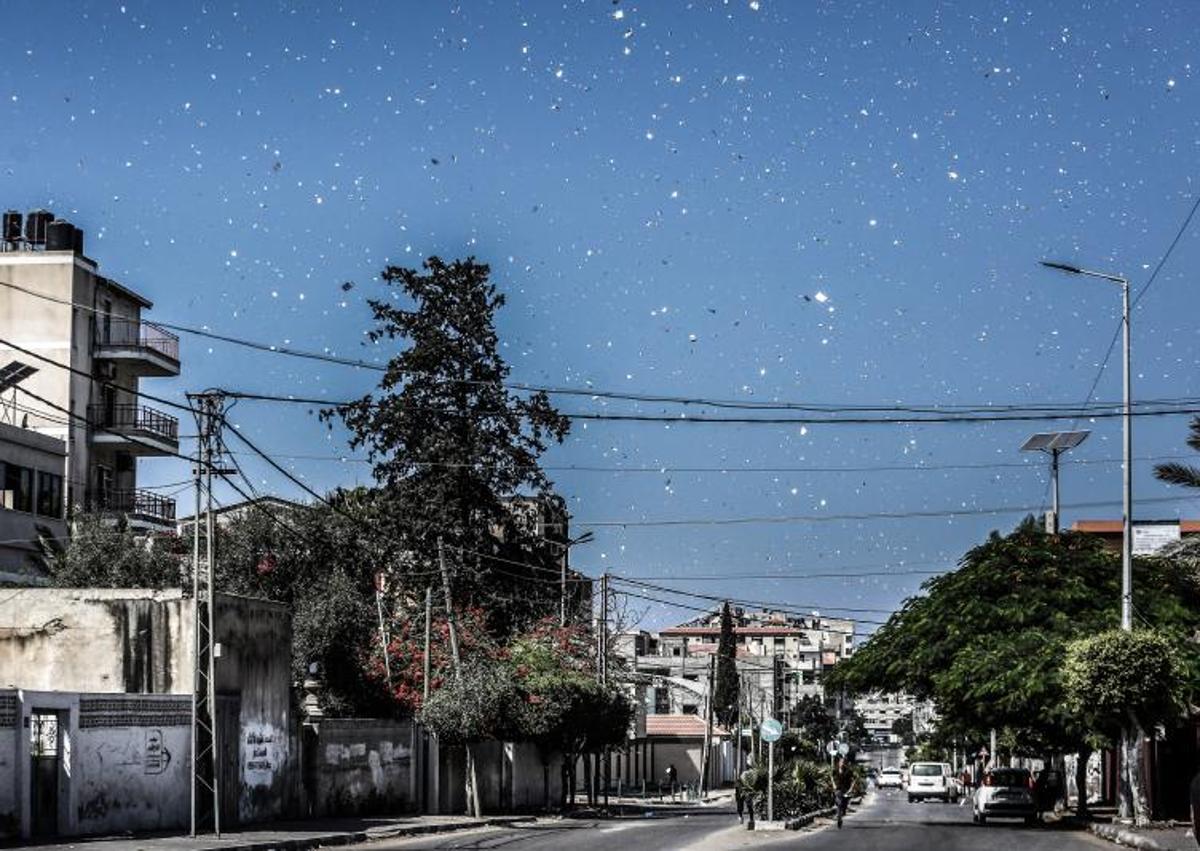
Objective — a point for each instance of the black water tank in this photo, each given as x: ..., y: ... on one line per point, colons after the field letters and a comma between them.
x: 77, y: 242
x: 60, y: 236
x: 10, y: 231
x: 35, y: 226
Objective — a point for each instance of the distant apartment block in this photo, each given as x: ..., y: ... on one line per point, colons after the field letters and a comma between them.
x: 98, y: 346
x: 780, y: 659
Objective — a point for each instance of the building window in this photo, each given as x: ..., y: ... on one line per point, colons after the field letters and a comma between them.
x: 17, y: 488
x: 49, y: 495
x: 662, y: 701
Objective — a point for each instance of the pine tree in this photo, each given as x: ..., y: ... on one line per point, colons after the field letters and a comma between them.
x: 726, y: 688
x: 451, y: 444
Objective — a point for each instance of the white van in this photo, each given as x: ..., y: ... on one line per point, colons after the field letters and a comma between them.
x: 931, y: 780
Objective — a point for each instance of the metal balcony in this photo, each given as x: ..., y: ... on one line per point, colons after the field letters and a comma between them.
x: 144, y: 509
x: 144, y: 346
x: 137, y: 429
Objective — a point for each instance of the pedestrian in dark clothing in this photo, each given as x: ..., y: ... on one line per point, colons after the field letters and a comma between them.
x: 745, y: 785
x: 842, y: 777
x: 740, y: 798
x: 672, y: 776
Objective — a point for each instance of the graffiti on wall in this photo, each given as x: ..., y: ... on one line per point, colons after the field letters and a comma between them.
x: 156, y: 757
x: 261, y: 754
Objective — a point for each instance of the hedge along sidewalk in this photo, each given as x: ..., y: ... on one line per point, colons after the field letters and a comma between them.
x: 293, y: 836
x: 1149, y: 838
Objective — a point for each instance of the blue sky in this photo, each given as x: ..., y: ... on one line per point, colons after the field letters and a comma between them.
x: 759, y: 201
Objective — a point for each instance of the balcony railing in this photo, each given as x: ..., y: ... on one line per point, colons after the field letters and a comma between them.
x: 132, y: 333
x: 123, y: 418
x: 138, y: 504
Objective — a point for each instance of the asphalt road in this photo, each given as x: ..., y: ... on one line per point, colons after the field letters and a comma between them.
x: 886, y: 823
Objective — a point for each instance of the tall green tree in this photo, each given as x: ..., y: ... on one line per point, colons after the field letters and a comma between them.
x: 1127, y: 681
x: 450, y: 443
x: 986, y: 641
x: 726, y: 689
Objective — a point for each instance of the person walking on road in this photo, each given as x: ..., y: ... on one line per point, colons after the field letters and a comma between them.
x: 672, y: 776
x: 842, y: 777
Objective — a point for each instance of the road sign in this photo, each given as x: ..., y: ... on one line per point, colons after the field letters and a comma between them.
x: 831, y: 748
x: 843, y: 749
x: 770, y: 730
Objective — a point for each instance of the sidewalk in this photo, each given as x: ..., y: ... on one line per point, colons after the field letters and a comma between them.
x: 1159, y: 838
x: 294, y: 836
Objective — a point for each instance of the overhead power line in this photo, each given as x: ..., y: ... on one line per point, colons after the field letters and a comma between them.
x: 806, y: 608
x: 882, y: 515
x: 1036, y: 414
x: 590, y: 392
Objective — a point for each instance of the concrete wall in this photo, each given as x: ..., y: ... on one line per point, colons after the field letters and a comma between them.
x: 360, y: 766
x: 124, y: 762
x: 256, y: 666
x: 132, y: 758
x: 140, y: 641
x: 96, y: 640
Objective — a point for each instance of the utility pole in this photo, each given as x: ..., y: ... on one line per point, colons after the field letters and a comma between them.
x: 380, y: 587
x: 428, y: 636
x: 705, y: 759
x: 472, y: 778
x: 209, y: 411
x: 604, y: 667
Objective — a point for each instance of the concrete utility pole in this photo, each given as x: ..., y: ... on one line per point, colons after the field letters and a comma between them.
x: 380, y: 587
x: 603, y: 666
x: 705, y: 767
x: 428, y: 636
x: 472, y: 777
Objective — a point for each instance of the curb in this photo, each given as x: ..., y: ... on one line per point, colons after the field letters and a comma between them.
x: 358, y: 836
x: 808, y: 818
x: 1121, y: 836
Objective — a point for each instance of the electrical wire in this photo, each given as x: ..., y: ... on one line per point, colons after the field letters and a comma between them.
x: 588, y: 392
x: 883, y: 515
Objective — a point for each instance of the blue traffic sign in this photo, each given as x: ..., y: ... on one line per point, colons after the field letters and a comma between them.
x: 771, y: 730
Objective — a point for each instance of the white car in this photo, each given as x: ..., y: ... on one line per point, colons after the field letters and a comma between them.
x: 889, y: 778
x: 931, y: 780
x: 1004, y: 793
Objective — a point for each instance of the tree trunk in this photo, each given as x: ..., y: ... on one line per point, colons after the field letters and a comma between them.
x: 545, y: 786
x: 587, y: 779
x: 1081, y: 763
x: 1133, y: 791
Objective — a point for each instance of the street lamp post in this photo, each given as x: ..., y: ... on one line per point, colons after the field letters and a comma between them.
x: 1127, y: 424
x: 1054, y: 444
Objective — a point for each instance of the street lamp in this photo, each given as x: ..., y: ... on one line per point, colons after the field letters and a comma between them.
x: 1127, y: 424
x: 1054, y: 443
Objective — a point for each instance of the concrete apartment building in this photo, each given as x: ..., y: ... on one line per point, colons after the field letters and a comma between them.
x: 31, y: 494
x: 55, y: 303
x: 781, y: 658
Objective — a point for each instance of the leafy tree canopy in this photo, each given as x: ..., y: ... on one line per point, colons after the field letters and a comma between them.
x: 1118, y: 676
x: 987, y: 640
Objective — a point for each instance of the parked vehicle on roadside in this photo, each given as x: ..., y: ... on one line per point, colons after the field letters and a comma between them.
x: 889, y: 778
x: 931, y: 780
x: 1004, y: 793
